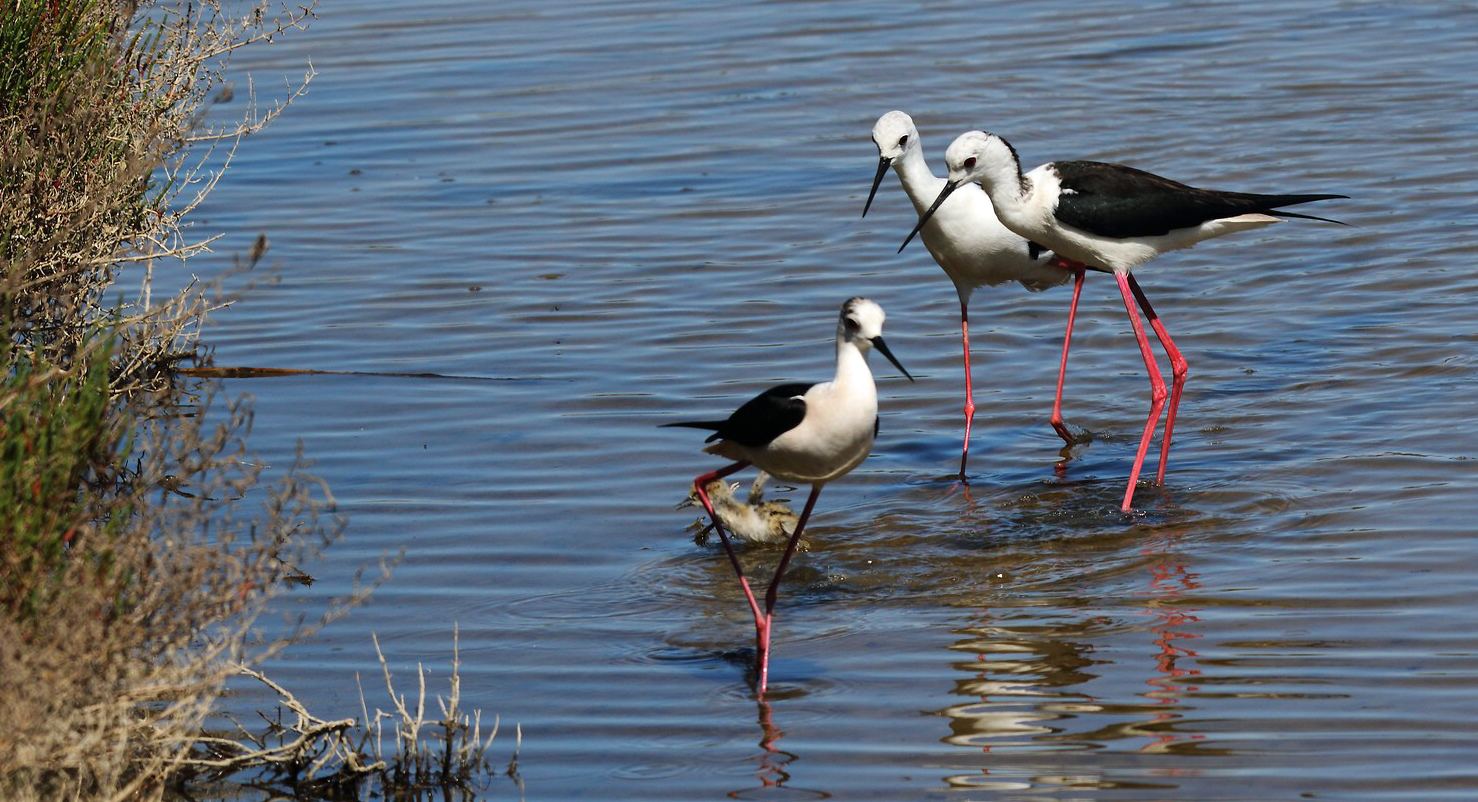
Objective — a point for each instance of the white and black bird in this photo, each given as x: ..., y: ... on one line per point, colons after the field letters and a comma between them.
x: 1112, y: 218
x: 811, y: 433
x: 971, y: 246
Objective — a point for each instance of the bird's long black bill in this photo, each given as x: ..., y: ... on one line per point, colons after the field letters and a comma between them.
x: 1282, y: 213
x: 924, y: 218
x: 877, y: 180
x: 883, y: 349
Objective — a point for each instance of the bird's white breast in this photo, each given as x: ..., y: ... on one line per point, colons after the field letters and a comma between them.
x: 835, y: 436
x: 972, y: 245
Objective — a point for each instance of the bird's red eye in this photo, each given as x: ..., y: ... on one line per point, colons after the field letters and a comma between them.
x: 970, y: 163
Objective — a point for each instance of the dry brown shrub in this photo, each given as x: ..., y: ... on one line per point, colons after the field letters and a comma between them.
x: 138, y: 546
x: 102, y: 158
x: 104, y: 686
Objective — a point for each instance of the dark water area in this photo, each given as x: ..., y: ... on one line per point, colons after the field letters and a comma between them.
x: 606, y: 216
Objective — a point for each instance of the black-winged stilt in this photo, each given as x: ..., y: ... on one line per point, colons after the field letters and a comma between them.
x: 811, y: 433
x: 971, y: 245
x: 1111, y: 218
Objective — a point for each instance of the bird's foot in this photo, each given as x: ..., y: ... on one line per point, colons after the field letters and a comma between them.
x: 700, y: 530
x: 1073, y: 440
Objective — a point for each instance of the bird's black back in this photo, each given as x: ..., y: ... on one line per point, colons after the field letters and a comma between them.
x: 760, y: 419
x: 1114, y: 200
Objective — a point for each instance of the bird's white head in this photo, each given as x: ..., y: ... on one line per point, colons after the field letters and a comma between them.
x: 984, y: 158
x: 860, y: 321
x: 861, y: 325
x: 894, y: 134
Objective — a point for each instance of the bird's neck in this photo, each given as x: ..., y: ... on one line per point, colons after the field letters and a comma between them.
x: 851, y: 366
x: 1005, y: 184
x: 1011, y: 193
x: 918, y: 181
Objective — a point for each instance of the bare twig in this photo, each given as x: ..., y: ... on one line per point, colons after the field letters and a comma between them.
x: 304, y: 748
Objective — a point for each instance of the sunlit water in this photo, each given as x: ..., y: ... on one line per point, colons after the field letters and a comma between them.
x: 612, y: 215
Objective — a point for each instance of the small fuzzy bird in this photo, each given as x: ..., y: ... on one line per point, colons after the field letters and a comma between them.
x: 753, y: 519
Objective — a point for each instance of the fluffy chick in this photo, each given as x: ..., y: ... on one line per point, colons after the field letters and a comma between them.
x: 753, y: 519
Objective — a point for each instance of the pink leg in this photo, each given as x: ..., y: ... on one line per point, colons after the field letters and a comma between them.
x: 761, y: 622
x: 1067, y: 339
x: 1157, y: 384
x: 1178, y: 369
x: 762, y: 634
x: 969, y: 393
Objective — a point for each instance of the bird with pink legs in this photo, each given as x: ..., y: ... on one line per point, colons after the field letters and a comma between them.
x: 1111, y: 218
x: 806, y: 433
x: 972, y: 247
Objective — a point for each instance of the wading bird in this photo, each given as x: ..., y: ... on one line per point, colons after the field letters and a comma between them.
x: 811, y: 433
x: 1112, y: 218
x: 971, y: 246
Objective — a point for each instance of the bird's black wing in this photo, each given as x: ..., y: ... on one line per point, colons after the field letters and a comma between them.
x: 766, y: 416
x: 1114, y: 200
x: 760, y: 419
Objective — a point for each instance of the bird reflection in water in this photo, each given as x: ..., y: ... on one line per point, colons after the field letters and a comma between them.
x: 774, y: 763
x: 1169, y: 581
x: 1034, y: 675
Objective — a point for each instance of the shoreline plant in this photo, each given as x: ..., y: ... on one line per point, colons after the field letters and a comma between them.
x: 130, y: 579
x: 139, y: 543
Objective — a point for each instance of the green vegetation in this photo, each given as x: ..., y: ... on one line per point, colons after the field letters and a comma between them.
x: 59, y: 445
